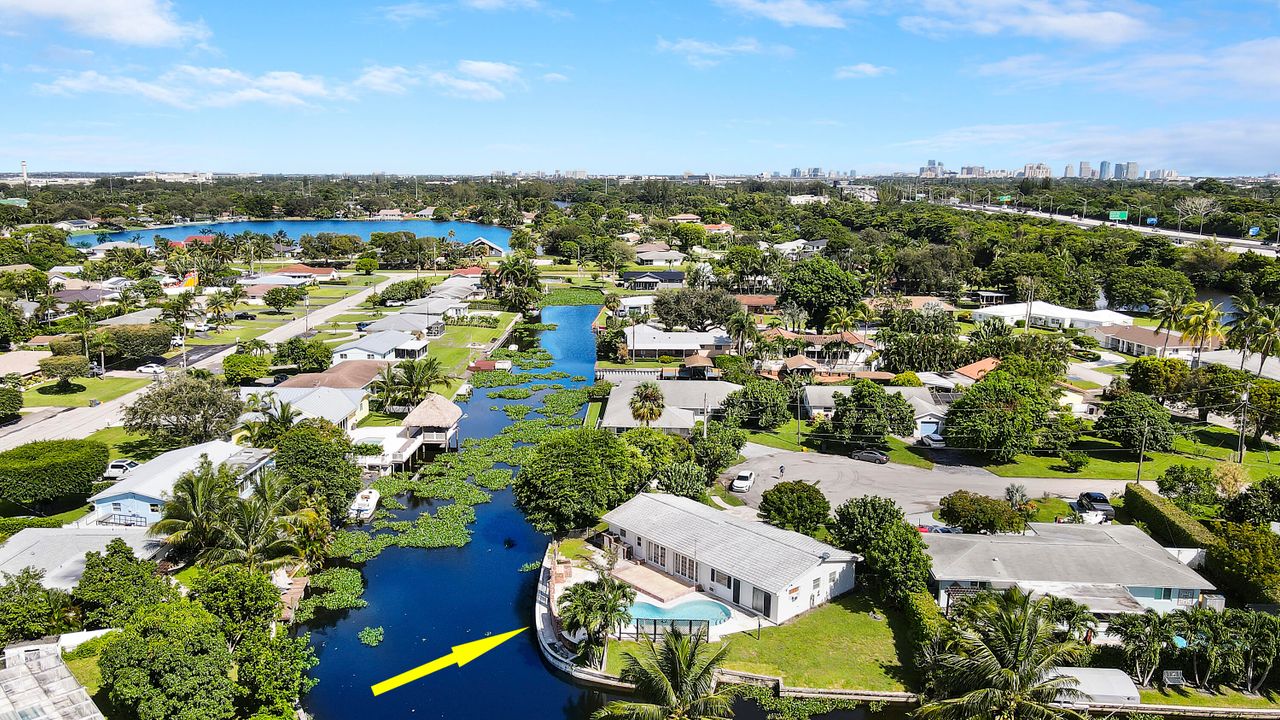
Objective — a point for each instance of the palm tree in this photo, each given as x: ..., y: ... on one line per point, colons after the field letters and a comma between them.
x: 595, y: 608
x: 1002, y: 664
x: 1145, y: 636
x: 1244, y: 325
x: 1203, y: 631
x: 1203, y: 325
x: 647, y: 402
x: 418, y: 378
x: 841, y: 320
x: 675, y: 680
x: 217, y: 308
x: 742, y: 328
x: 253, y: 535
x: 1267, y: 335
x: 255, y: 346
x: 193, y: 515
x: 1170, y: 309
x: 612, y: 302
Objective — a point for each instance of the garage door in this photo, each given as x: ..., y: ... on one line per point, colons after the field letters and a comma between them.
x: 929, y: 427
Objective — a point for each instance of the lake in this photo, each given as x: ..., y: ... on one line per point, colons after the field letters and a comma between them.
x: 430, y: 600
x: 463, y: 231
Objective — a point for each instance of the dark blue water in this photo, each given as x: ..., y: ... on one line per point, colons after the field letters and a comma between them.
x: 430, y: 600
x: 463, y: 232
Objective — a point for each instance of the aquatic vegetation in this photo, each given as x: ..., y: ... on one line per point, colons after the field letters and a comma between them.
x: 371, y: 636
x: 334, y: 589
x: 531, y: 566
x: 516, y: 393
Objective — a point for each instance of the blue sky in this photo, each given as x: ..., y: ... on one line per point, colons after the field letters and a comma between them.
x: 637, y: 86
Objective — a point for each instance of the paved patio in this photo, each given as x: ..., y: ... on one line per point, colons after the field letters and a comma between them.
x: 658, y: 585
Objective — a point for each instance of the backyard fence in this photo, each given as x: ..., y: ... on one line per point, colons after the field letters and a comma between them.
x: 654, y: 628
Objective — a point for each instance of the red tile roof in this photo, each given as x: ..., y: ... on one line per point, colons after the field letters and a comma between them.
x: 757, y: 300
x: 472, y: 271
x: 978, y: 370
x: 301, y: 269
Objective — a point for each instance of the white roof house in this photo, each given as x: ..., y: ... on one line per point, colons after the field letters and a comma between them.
x: 649, y: 341
x: 684, y: 400
x: 59, y: 552
x: 432, y: 305
x: 343, y: 407
x: 1109, y: 568
x: 776, y: 573
x: 929, y: 410
x: 636, y: 305
x: 1048, y: 315
x: 138, y: 498
x: 386, y: 344
x: 667, y: 258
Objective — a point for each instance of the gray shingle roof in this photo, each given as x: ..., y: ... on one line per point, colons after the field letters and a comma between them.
x: 1068, y: 553
x: 764, y: 556
x: 155, y: 478
x: 59, y: 552
x: 379, y: 341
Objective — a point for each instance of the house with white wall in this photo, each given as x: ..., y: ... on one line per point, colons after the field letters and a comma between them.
x: 930, y: 410
x: 775, y: 573
x: 1047, y: 315
x: 1111, y: 569
x: 138, y: 498
x: 685, y: 403
x: 382, y: 345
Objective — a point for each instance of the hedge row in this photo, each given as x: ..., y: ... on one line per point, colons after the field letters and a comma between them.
x: 1165, y: 520
x: 46, y: 470
x: 10, y: 526
x: 925, y: 620
x: 10, y: 401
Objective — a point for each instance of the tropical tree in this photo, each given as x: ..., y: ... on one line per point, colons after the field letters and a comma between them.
x: 1266, y: 341
x: 1003, y: 663
x: 841, y: 320
x: 1258, y: 636
x: 1203, y: 325
x: 742, y: 328
x: 253, y: 536
x: 217, y: 308
x: 1203, y: 630
x: 674, y: 679
x: 1145, y: 636
x: 409, y: 382
x: 1170, y: 309
x: 647, y: 402
x: 193, y: 514
x: 595, y: 608
x: 1244, y: 325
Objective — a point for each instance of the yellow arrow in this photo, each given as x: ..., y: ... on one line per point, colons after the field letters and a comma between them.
x: 461, y: 655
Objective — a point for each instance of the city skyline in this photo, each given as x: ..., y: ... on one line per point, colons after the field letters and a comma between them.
x: 724, y: 86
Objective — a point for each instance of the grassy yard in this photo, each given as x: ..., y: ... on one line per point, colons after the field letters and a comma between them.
x: 575, y: 549
x: 593, y: 414
x: 1225, y: 697
x: 128, y: 445
x: 85, y: 670
x: 84, y: 390
x: 838, y: 645
x: 64, y: 510
x: 1048, y: 510
x: 1204, y: 447
x: 378, y: 419
x: 784, y: 438
x: 723, y: 493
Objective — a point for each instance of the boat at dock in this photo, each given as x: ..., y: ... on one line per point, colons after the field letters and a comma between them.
x: 363, y: 506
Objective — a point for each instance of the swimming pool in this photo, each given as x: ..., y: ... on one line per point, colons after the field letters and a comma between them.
x: 709, y: 610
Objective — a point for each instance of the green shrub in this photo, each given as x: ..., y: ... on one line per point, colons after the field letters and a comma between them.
x: 41, y: 471
x: 1075, y: 460
x: 240, y: 368
x: 64, y: 367
x: 10, y: 401
x: 925, y: 620
x: 668, y: 360
x: 140, y: 341
x: 1166, y: 521
x: 66, y: 346
x: 10, y: 526
x: 1245, y: 562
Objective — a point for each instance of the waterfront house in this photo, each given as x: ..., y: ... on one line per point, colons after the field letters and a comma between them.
x: 647, y: 341
x: 435, y: 420
x: 389, y: 214
x: 1047, y: 315
x: 652, y: 280
x: 59, y: 552
x: 426, y: 212
x: 74, y: 225
x: 635, y: 305
x: 1110, y: 569
x: 685, y: 403
x: 138, y: 498
x: 775, y: 573
x: 661, y: 258
x: 1137, y: 340
x: 384, y: 344
x: 928, y: 407
x: 491, y: 248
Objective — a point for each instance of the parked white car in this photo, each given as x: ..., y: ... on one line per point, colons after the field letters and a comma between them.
x: 117, y: 469
x: 933, y: 440
x: 743, y: 482
x: 151, y: 369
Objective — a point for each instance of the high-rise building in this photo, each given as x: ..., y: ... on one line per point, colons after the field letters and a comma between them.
x: 1086, y: 169
x: 1117, y: 171
x: 795, y: 172
x: 973, y: 171
x: 815, y: 172
x: 1036, y: 170
x: 1069, y: 171
x: 1131, y: 171
x: 1104, y: 169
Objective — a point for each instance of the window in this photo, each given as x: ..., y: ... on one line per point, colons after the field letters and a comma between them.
x: 657, y: 554
x: 720, y: 578
x: 686, y: 567
x: 116, y: 507
x: 831, y: 579
x: 817, y: 583
x: 155, y: 507
x: 1164, y: 593
x: 622, y: 532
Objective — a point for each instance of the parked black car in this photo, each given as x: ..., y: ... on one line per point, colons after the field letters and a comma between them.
x: 872, y: 456
x: 1097, y: 502
x: 242, y: 315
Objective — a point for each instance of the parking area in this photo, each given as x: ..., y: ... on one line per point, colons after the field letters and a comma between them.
x: 916, y: 490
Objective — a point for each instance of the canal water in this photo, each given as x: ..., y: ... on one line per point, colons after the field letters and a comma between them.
x: 463, y: 232
x: 430, y: 600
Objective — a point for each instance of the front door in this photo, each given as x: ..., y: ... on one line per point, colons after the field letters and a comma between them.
x: 760, y: 601
x: 737, y: 592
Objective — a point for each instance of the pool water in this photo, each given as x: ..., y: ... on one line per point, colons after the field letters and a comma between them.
x: 709, y: 610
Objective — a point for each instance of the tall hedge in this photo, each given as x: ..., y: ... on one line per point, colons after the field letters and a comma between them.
x: 10, y: 401
x: 1168, y: 522
x: 46, y: 470
x: 925, y: 621
x: 140, y: 341
x: 1245, y: 561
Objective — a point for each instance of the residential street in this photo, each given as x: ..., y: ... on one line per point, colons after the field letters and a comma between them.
x: 915, y: 489
x: 84, y: 421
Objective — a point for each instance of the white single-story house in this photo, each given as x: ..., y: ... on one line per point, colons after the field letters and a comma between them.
x: 432, y: 305
x: 1110, y: 569
x: 97, y: 252
x: 635, y: 305
x: 407, y: 324
x: 686, y: 403
x: 73, y: 225
x: 1138, y: 340
x: 651, y: 280
x: 59, y: 552
x: 145, y: 316
x: 776, y: 573
x: 647, y: 341
x: 491, y: 249
x: 138, y: 498
x: 344, y: 407
x: 661, y: 258
x: 383, y: 344
x: 1048, y: 315
x: 930, y: 410
x: 278, y: 280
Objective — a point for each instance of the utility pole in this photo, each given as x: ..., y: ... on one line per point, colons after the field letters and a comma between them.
x: 799, y: 391
x: 706, y: 417
x: 1244, y: 413
x: 1143, y: 450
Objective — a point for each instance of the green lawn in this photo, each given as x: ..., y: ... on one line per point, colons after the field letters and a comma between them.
x: 1225, y: 697
x: 593, y: 414
x: 378, y: 419
x: 784, y: 438
x: 188, y: 575
x: 100, y: 389
x: 63, y: 510
x: 901, y: 452
x: 838, y: 645
x: 575, y: 549
x: 1205, y: 447
x: 128, y: 445
x: 86, y: 671
x: 1048, y: 510
x: 723, y: 493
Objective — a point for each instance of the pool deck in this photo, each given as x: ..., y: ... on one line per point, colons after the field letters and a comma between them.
x: 658, y: 585
x: 737, y: 622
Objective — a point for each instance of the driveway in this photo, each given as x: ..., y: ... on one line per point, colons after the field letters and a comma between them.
x: 916, y: 490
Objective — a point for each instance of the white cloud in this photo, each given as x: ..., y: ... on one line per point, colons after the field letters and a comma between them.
x: 132, y: 22
x: 861, y: 70
x: 191, y: 87
x: 806, y: 13
x: 410, y: 12
x: 455, y: 86
x: 1076, y: 20
x: 500, y: 4
x: 554, y: 77
x: 489, y: 71
x: 706, y: 53
x: 395, y: 80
